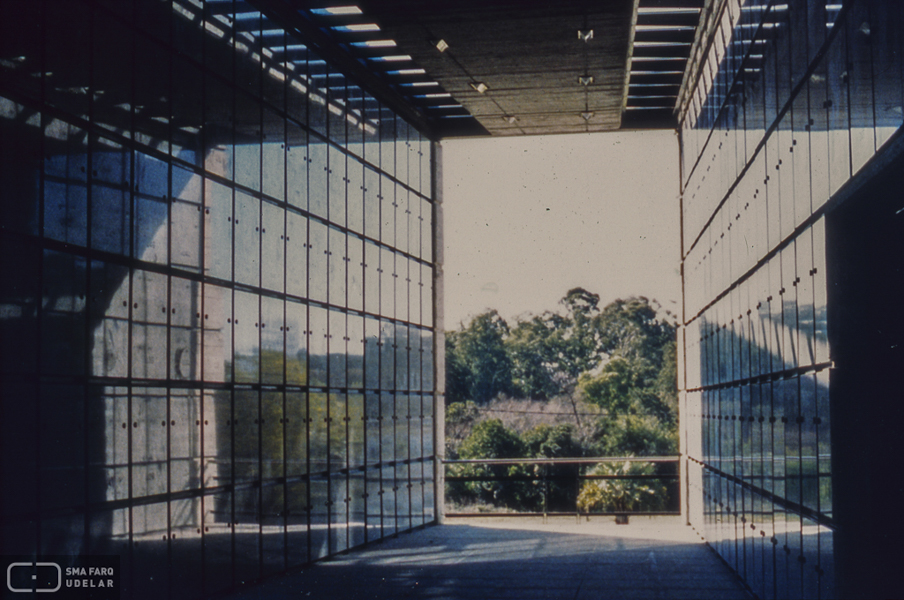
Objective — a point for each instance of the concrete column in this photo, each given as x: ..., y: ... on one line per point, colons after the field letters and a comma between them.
x: 685, y: 427
x: 439, y: 338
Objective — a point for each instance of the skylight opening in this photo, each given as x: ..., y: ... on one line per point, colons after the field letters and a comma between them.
x: 658, y: 44
x: 664, y: 28
x: 408, y: 72
x: 656, y: 58
x: 436, y: 95
x: 184, y: 12
x: 392, y: 58
x: 337, y: 10
x: 375, y: 44
x: 655, y: 10
x: 358, y: 27
x: 420, y: 84
x: 327, y: 76
x: 247, y: 16
x: 212, y: 28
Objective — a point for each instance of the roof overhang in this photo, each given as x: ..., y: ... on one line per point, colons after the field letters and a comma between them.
x: 511, y: 67
x: 450, y: 69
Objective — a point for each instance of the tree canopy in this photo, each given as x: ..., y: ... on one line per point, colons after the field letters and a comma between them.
x: 620, y: 358
x: 547, y: 355
x: 480, y: 366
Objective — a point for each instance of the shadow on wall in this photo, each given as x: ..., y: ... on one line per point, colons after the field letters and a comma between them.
x: 766, y: 454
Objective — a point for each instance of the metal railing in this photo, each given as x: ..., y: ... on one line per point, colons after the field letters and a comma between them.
x: 580, y: 487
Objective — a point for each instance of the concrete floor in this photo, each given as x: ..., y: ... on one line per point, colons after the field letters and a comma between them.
x: 520, y: 559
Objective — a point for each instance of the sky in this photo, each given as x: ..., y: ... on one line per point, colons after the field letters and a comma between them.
x: 528, y: 218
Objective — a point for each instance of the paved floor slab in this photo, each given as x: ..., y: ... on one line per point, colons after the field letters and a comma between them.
x: 520, y: 559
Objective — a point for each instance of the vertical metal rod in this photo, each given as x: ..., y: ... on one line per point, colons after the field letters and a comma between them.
x: 577, y: 490
x: 545, y: 492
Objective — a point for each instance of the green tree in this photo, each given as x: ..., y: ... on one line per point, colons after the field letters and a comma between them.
x: 492, y: 439
x: 632, y: 329
x: 558, y: 352
x: 666, y: 385
x: 481, y: 365
x: 457, y: 374
x: 636, y: 387
x: 629, y: 387
x: 496, y: 484
x: 634, y: 435
x: 576, y: 338
x: 534, y: 366
x: 549, y: 352
x: 553, y: 441
x: 612, y: 388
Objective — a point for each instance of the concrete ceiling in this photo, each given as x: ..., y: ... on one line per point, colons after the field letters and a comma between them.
x: 543, y: 71
x: 529, y: 58
x: 528, y: 55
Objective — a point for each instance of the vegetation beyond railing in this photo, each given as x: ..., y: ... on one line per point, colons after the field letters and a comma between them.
x: 563, y: 486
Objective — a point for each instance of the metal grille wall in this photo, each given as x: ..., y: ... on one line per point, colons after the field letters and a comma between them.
x: 217, y: 296
x: 788, y: 100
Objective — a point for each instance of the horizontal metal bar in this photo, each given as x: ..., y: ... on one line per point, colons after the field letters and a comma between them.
x: 513, y: 478
x: 590, y: 477
x: 664, y: 513
x: 557, y: 477
x: 560, y: 461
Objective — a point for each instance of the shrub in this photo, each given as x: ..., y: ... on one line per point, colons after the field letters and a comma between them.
x: 623, y: 495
